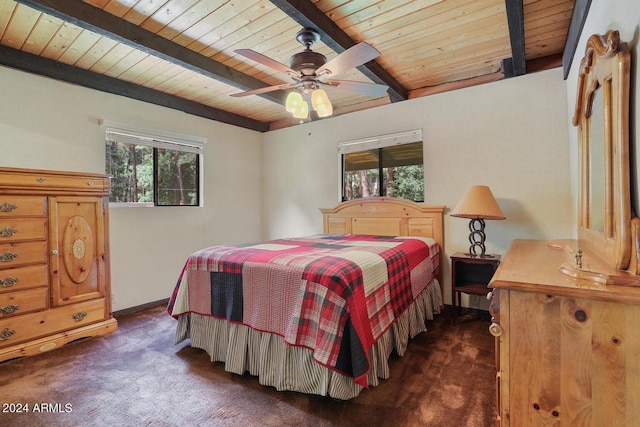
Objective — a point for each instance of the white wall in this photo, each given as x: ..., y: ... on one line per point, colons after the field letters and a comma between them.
x: 510, y: 135
x: 605, y: 15
x: 45, y: 124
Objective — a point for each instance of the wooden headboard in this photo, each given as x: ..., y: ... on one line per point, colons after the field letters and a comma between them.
x: 386, y: 216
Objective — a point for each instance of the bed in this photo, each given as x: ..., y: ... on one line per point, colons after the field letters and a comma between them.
x: 317, y: 314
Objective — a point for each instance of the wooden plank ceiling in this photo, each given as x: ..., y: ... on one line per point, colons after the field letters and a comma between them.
x: 180, y: 53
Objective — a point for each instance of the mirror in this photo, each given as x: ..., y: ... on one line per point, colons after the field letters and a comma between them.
x: 596, y: 168
x: 602, y: 117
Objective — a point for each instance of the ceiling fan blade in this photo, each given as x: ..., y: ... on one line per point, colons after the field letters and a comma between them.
x: 264, y: 89
x: 265, y: 60
x: 350, y: 58
x: 362, y: 88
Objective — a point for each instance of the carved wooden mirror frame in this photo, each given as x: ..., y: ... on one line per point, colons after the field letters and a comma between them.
x: 604, y: 77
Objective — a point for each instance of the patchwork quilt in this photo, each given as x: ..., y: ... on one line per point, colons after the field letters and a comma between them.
x: 333, y: 294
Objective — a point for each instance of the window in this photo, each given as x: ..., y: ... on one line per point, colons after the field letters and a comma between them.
x: 391, y: 165
x: 153, y: 170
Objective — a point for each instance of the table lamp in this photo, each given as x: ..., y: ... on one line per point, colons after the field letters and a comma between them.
x: 477, y: 204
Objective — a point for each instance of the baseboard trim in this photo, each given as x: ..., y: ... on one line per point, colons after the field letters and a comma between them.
x: 141, y: 307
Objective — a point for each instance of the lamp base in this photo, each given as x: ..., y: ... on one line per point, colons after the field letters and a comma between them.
x: 476, y: 237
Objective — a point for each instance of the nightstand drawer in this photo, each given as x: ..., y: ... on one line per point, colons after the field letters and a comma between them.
x: 13, y: 254
x: 21, y: 302
x: 20, y: 229
x: 15, y: 206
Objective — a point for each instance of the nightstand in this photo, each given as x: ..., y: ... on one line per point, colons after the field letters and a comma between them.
x: 470, y: 274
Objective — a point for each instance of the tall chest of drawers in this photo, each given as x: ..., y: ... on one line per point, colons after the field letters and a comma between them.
x: 54, y: 260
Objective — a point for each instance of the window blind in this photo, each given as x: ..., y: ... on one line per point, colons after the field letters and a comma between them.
x: 400, y: 138
x: 164, y: 140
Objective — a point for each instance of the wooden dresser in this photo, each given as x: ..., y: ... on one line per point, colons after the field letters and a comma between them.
x: 54, y: 260
x: 569, y: 348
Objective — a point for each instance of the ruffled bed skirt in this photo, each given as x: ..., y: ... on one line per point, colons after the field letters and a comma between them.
x: 288, y: 367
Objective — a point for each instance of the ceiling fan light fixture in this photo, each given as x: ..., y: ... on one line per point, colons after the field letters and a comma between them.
x: 321, y: 103
x: 301, y: 111
x: 294, y: 99
x: 296, y: 105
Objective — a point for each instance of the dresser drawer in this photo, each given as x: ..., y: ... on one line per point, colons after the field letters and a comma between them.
x: 12, y: 254
x: 18, y: 229
x: 17, y: 329
x: 12, y: 206
x: 14, y: 279
x: 54, y: 181
x: 21, y: 302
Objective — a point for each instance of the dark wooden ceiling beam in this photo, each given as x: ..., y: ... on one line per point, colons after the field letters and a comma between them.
x: 305, y: 13
x: 59, y: 71
x: 578, y: 17
x: 544, y: 63
x: 91, y: 18
x: 517, y: 64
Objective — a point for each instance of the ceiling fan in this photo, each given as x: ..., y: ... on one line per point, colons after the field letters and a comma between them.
x: 310, y: 72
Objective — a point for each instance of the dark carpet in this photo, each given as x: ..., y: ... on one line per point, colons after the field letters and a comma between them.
x: 137, y: 377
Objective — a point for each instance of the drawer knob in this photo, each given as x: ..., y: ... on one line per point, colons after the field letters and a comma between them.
x: 7, y: 207
x: 578, y: 256
x: 9, y: 309
x: 54, y: 252
x: 6, y: 334
x: 8, y: 256
x: 495, y: 329
x: 8, y: 232
x: 90, y: 183
x: 79, y: 316
x: 8, y: 282
x: 41, y: 180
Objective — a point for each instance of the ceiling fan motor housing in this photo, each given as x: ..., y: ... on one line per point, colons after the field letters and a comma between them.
x: 307, y: 62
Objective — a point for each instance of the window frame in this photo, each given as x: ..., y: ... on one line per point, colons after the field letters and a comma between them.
x: 157, y: 139
x: 375, y: 142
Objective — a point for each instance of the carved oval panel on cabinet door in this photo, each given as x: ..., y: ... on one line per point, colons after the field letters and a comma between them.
x: 78, y: 247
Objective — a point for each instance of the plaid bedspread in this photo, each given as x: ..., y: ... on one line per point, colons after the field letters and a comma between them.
x: 334, y: 294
